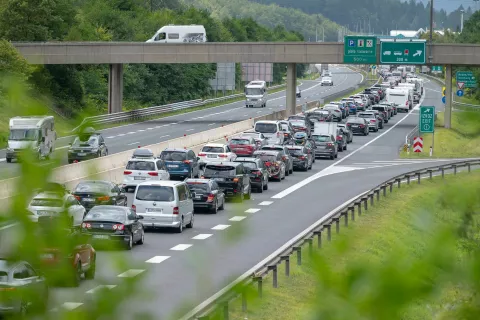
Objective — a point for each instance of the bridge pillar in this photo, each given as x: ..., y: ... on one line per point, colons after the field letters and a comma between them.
x: 291, y: 88
x: 115, y: 88
x: 448, y: 97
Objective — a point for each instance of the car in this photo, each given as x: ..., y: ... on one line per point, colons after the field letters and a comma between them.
x: 23, y: 289
x: 242, y: 146
x: 66, y: 258
x: 143, y: 166
x: 326, y: 146
x: 114, y: 224
x: 206, y: 194
x: 272, y: 131
x: 351, y: 105
x: 300, y: 125
x: 56, y: 204
x: 343, y: 107
x: 302, y: 158
x: 358, y: 125
x: 88, y: 145
x: 298, y: 92
x: 320, y: 115
x: 181, y: 163
x: 258, y: 172
x: 287, y: 132
x: 259, y: 138
x: 379, y: 116
x: 372, y: 120
x: 336, y: 111
x: 383, y: 110
x: 347, y: 132
x: 286, y: 158
x: 274, y: 163
x: 342, y: 139
x: 215, y: 152
x: 326, y: 81
x: 97, y: 192
x: 231, y: 177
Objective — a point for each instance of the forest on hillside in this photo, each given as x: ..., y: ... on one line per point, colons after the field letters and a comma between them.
x: 377, y: 16
x: 75, y: 88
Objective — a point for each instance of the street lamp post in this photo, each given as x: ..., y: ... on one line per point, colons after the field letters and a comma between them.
x: 431, y: 21
x: 461, y: 20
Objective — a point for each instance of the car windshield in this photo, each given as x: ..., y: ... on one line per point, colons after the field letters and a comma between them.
x: 44, y: 202
x: 106, y: 213
x: 173, y: 156
x: 94, y: 187
x: 297, y: 123
x: 253, y: 91
x: 251, y: 165
x: 266, y: 127
x: 213, y: 149
x: 198, y: 186
x: 240, y: 141
x: 155, y: 193
x: 320, y: 138
x: 90, y: 142
x: 3, y: 276
x: 141, y: 165
x: 219, y: 171
x: 23, y: 134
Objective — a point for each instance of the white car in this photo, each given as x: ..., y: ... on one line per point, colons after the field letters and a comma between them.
x: 326, y: 81
x: 216, y: 152
x: 143, y: 166
x: 53, y: 204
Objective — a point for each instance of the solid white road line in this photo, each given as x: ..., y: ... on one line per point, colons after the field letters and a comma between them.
x: 265, y: 203
x: 221, y: 227
x: 96, y: 289
x: 202, y: 236
x: 130, y: 273
x: 157, y: 259
x: 71, y: 305
x: 253, y: 210
x: 181, y: 247
x: 131, y: 144
x: 237, y: 218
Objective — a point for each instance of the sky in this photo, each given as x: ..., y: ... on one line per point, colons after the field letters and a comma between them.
x: 451, y: 5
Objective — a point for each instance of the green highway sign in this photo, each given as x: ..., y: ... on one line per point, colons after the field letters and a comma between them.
x: 402, y: 52
x: 467, y: 79
x: 360, y: 50
x: 437, y: 68
x: 427, y: 119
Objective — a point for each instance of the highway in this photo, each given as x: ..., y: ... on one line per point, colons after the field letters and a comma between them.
x: 177, y: 269
x: 130, y: 136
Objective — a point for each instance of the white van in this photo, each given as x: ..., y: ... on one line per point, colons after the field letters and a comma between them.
x: 400, y: 97
x: 179, y: 34
x: 164, y: 204
x: 35, y: 132
x: 397, y: 75
x: 256, y: 94
x: 272, y: 130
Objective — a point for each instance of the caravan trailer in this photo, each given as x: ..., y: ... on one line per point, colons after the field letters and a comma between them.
x: 256, y: 94
x: 179, y: 34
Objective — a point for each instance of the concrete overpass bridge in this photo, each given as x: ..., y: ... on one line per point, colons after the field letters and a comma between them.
x: 116, y: 54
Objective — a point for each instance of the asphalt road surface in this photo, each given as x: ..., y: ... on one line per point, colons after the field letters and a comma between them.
x: 174, y: 270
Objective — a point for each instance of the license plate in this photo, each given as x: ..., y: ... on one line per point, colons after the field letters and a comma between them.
x: 355, y: 126
x: 154, y: 210
x: 43, y: 213
x: 47, y: 256
x: 219, y: 179
x: 138, y: 178
x: 88, y: 199
x: 82, y: 154
x: 198, y: 197
x: 211, y: 155
x: 173, y: 166
x: 101, y: 236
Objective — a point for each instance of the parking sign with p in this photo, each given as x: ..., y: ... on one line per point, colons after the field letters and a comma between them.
x: 351, y: 43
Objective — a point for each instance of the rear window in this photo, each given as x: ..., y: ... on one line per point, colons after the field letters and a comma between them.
x: 266, y: 127
x: 47, y: 203
x: 94, y: 187
x: 155, y: 193
x: 198, y: 186
x: 320, y: 138
x: 213, y: 149
x: 173, y: 156
x: 141, y: 165
x: 273, y: 148
x: 296, y: 152
x: 106, y: 213
x: 251, y: 165
x: 366, y: 115
x: 297, y: 123
x: 239, y: 141
x: 266, y: 157
x: 212, y: 171
x: 3, y: 276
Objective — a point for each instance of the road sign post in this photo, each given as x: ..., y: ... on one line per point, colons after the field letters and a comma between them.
x: 444, y: 99
x: 402, y: 52
x: 427, y: 123
x: 360, y: 50
x: 467, y: 79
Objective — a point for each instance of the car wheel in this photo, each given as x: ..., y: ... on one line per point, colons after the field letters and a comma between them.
x: 365, y: 133
x: 130, y: 243
x: 287, y: 172
x: 190, y: 224
x: 265, y: 186
x: 336, y: 156
x: 77, y: 277
x: 9, y: 160
x: 142, y: 239
x: 260, y: 190
x: 179, y: 229
x: 214, y: 209
x: 332, y: 157
x: 249, y: 194
x: 222, y: 207
x: 345, y: 147
x: 90, y: 273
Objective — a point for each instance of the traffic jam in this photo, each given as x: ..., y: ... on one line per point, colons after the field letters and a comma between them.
x: 171, y: 187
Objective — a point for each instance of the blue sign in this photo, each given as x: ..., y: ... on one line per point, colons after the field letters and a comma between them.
x: 444, y: 100
x: 460, y: 93
x: 351, y: 43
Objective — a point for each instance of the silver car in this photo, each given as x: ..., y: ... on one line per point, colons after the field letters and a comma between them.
x: 54, y: 204
x: 371, y: 118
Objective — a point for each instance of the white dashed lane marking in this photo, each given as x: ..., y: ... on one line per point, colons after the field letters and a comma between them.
x: 157, y: 259
x: 130, y: 273
x: 221, y: 227
x: 202, y: 236
x: 237, y: 218
x: 189, y: 130
x: 181, y: 247
x: 96, y: 289
x: 253, y: 210
x: 265, y: 203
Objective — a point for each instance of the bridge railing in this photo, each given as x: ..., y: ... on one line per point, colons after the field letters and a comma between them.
x: 218, y: 304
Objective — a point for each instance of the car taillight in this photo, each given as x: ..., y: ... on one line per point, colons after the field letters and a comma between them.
x: 134, y: 207
x: 284, y: 158
x: 104, y: 198
x: 86, y: 225
x: 211, y: 197
x: 301, y: 157
x: 186, y: 161
x: 373, y: 121
x: 406, y: 103
x: 257, y: 173
x: 268, y: 163
x: 285, y: 134
x: 349, y: 125
x: 127, y: 172
x: 119, y: 227
x: 175, y: 210
x: 362, y: 126
x: 339, y: 138
x: 235, y: 179
x: 201, y: 154
x: 153, y: 174
x: 78, y: 198
x: 222, y: 156
x: 330, y: 144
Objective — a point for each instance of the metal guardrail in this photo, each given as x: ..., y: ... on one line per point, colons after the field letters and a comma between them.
x: 348, y: 212
x: 157, y: 110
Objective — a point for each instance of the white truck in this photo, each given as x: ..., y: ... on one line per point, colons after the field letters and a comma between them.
x: 256, y: 94
x: 179, y: 34
x: 325, y: 128
x: 400, y: 97
x: 35, y: 132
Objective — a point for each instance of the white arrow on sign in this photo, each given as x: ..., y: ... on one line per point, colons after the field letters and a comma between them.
x: 427, y: 110
x: 460, y: 85
x: 419, y: 52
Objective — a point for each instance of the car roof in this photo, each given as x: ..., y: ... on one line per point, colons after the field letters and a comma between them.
x: 214, y: 145
x: 198, y: 180
x: 246, y: 159
x: 50, y: 195
x: 273, y: 145
x: 110, y: 207
x: 176, y: 149
x: 226, y: 163
x: 166, y: 183
x: 241, y: 137
x: 266, y: 121
x: 266, y: 152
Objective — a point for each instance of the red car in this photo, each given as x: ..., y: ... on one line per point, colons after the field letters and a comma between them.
x: 243, y: 146
x: 68, y: 257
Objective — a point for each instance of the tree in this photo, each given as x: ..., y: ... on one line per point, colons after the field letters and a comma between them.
x: 12, y: 63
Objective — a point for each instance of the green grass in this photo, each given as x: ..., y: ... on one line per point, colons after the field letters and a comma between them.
x: 462, y: 141
x: 393, y: 225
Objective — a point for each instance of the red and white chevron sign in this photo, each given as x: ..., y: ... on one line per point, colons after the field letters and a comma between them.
x: 417, y: 144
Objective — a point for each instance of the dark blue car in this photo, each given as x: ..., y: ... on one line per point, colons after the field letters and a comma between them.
x: 353, y: 107
x: 180, y: 163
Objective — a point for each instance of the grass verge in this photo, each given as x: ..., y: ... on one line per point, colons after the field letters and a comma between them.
x: 462, y: 141
x: 398, y: 225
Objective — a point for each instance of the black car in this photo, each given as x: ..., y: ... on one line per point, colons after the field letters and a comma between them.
x: 91, y: 193
x: 257, y: 171
x: 87, y: 146
x: 302, y: 158
x: 114, y: 224
x: 231, y: 178
x: 358, y: 125
x: 206, y: 194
